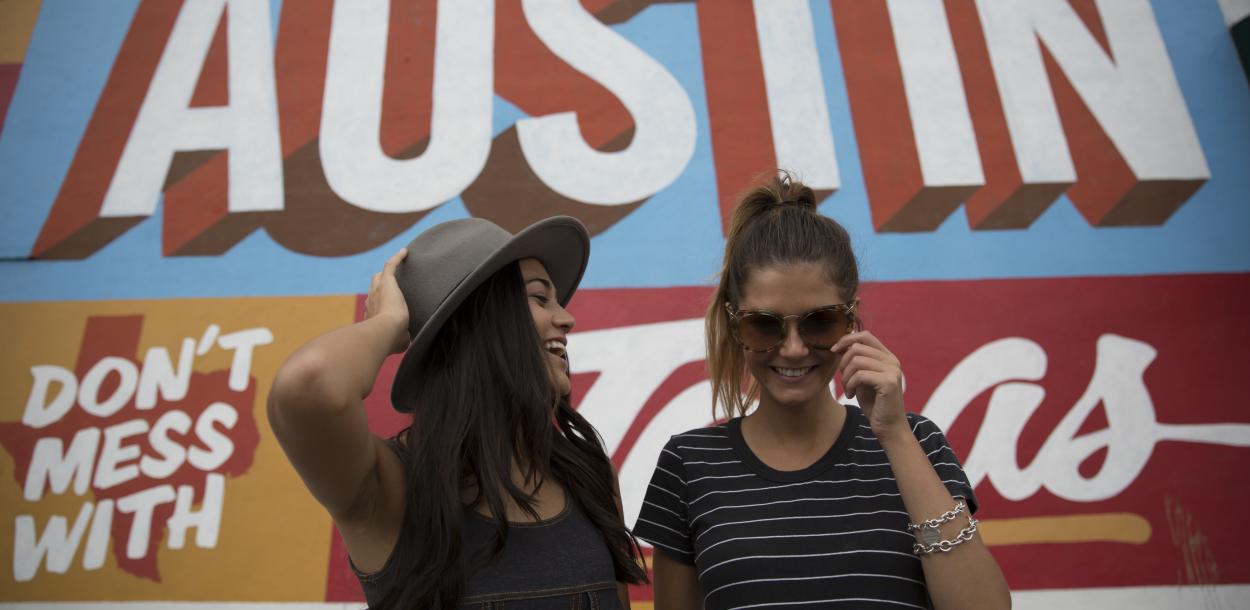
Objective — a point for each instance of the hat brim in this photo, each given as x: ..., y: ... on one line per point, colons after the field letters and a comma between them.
x: 560, y: 243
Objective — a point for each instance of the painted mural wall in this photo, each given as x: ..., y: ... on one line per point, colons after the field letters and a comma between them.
x: 1050, y: 200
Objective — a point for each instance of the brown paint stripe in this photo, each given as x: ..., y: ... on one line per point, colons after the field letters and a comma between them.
x: 1129, y: 528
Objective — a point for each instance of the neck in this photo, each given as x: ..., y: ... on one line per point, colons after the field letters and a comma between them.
x: 811, y: 421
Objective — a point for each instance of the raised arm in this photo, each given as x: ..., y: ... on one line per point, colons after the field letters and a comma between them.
x: 316, y: 410
x: 967, y: 576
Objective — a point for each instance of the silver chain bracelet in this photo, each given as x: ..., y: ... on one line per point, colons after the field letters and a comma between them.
x: 946, y: 516
x: 943, y: 546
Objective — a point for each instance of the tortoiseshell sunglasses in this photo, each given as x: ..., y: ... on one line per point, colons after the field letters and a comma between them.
x: 760, y: 331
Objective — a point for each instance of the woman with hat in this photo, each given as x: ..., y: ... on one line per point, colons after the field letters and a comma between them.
x: 498, y: 492
x: 797, y: 501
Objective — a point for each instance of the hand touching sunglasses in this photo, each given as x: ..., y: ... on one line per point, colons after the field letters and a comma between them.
x: 758, y: 330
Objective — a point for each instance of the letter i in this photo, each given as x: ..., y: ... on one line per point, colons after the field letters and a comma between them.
x: 98, y: 540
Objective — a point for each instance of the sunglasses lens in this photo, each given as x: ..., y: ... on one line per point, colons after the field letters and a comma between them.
x: 821, y: 329
x: 759, y: 331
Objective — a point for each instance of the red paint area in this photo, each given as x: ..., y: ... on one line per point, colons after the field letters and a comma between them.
x: 737, y: 103
x: 119, y: 336
x: 8, y: 84
x: 879, y: 111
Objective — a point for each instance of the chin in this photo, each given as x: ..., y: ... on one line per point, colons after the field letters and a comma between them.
x: 560, y: 383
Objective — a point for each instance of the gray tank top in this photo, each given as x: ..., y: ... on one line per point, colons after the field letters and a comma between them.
x: 562, y: 562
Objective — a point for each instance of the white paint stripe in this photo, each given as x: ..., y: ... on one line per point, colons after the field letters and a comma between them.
x: 935, y: 94
x: 797, y: 106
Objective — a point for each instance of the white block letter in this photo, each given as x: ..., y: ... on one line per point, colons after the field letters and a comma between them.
x: 797, y: 107
x: 167, y: 124
x: 57, y: 545
x: 48, y: 462
x: 158, y: 375
x: 39, y: 412
x: 355, y: 165
x: 141, y: 505
x: 664, y: 120
x: 206, y: 521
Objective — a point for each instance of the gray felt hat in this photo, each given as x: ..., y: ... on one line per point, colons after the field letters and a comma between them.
x: 450, y: 260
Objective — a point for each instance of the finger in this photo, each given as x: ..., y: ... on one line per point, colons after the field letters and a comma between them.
x: 393, y: 261
x: 878, y: 382
x: 860, y: 350
x: 862, y: 337
x: 864, y: 363
x: 857, y: 370
x: 373, y: 283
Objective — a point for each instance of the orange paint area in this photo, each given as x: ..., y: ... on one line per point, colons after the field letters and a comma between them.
x: 135, y: 451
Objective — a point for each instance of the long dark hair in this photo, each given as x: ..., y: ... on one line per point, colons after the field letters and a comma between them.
x: 775, y: 223
x: 484, y: 401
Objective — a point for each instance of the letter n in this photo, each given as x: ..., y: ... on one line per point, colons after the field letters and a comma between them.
x: 1085, y: 94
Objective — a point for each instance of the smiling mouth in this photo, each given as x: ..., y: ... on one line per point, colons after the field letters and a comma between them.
x: 790, y: 373
x: 557, y: 349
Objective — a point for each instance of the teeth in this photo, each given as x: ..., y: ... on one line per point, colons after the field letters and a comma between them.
x: 555, y: 347
x: 793, y: 372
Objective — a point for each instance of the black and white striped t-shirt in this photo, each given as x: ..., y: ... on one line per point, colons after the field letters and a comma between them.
x: 831, y: 535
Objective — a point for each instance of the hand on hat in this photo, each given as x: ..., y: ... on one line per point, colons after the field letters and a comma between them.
x: 386, y: 302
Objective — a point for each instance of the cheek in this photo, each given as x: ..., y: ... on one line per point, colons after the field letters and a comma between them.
x: 540, y: 318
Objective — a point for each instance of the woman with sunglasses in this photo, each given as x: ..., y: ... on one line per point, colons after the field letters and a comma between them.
x: 498, y: 494
x: 804, y: 502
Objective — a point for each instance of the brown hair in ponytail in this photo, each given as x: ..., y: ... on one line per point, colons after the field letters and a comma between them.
x: 775, y: 223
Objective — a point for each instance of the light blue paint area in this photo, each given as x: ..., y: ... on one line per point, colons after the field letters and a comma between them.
x: 671, y: 239
x: 275, y: 15
x: 67, y: 62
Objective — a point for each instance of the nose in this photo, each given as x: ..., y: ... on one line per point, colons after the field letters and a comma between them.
x: 563, y: 319
x: 792, y: 346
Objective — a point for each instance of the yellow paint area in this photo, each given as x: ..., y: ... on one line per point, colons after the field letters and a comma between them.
x: 274, y: 540
x: 17, y: 22
x: 1129, y: 528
